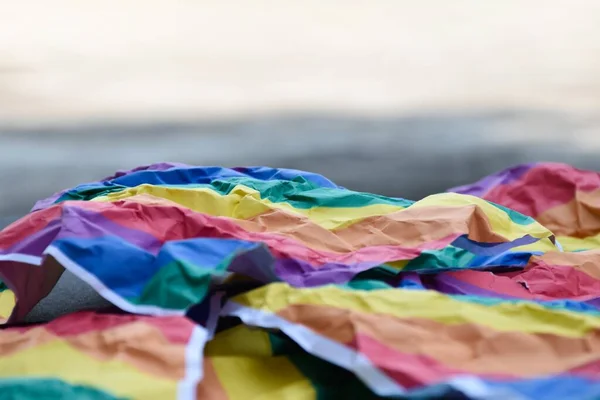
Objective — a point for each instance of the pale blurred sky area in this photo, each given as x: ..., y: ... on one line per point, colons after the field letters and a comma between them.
x: 399, y: 97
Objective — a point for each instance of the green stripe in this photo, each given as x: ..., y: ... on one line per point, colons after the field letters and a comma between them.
x: 515, y: 216
x: 448, y: 258
x: 304, y: 194
x: 180, y: 284
x: 381, y: 273
x: 88, y: 193
x: 299, y: 194
x: 329, y: 381
x: 49, y: 389
x: 365, y: 284
x: 371, y: 284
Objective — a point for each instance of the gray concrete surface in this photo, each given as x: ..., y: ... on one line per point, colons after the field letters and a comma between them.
x: 408, y: 156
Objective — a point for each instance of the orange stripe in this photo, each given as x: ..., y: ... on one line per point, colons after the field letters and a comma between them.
x: 586, y: 261
x: 410, y: 227
x: 138, y: 344
x: 13, y: 340
x: 210, y: 388
x: 468, y: 347
x: 407, y: 228
x: 577, y: 218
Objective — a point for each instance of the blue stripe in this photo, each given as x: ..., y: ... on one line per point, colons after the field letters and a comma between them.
x: 491, y: 249
x: 547, y: 388
x: 208, y: 252
x: 126, y: 269
x: 412, y: 281
x: 508, y: 259
x: 119, y: 265
x: 552, y: 388
x: 184, y: 176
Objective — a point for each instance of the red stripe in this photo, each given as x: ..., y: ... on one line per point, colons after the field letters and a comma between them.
x: 558, y: 282
x: 175, y: 329
x: 544, y: 186
x: 411, y: 370
x: 501, y: 285
x: 542, y: 282
x: 84, y: 322
x: 590, y: 370
x: 176, y: 223
x: 27, y: 226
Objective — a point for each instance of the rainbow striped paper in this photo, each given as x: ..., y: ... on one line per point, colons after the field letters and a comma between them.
x: 262, y: 283
x: 96, y: 356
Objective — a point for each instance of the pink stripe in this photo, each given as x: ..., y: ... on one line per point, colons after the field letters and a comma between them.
x: 412, y: 370
x: 175, y: 329
x: 176, y: 223
x: 26, y: 226
x: 542, y: 282
x: 557, y: 282
x: 558, y: 182
x: 590, y: 370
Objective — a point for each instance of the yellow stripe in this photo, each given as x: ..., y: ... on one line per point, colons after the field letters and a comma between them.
x: 243, y: 361
x: 241, y: 341
x: 521, y: 317
x: 262, y: 378
x: 498, y: 219
x: 58, y: 359
x: 244, y: 203
x: 573, y: 244
x: 542, y: 245
x: 7, y: 303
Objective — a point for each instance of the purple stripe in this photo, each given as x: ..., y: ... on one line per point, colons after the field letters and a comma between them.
x: 81, y: 223
x: 36, y: 243
x: 261, y: 265
x: 592, y: 302
x: 483, y: 186
x: 301, y: 274
x: 448, y: 284
x: 257, y: 264
x: 84, y: 224
x: 410, y: 280
x: 47, y: 202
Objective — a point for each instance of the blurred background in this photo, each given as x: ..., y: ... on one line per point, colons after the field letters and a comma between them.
x: 402, y: 98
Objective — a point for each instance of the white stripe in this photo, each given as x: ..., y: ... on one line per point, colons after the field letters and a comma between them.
x: 21, y: 258
x: 186, y: 388
x: 104, y: 291
x: 355, y: 362
x: 321, y: 347
x: 213, y: 314
x: 474, y: 388
x: 558, y: 245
